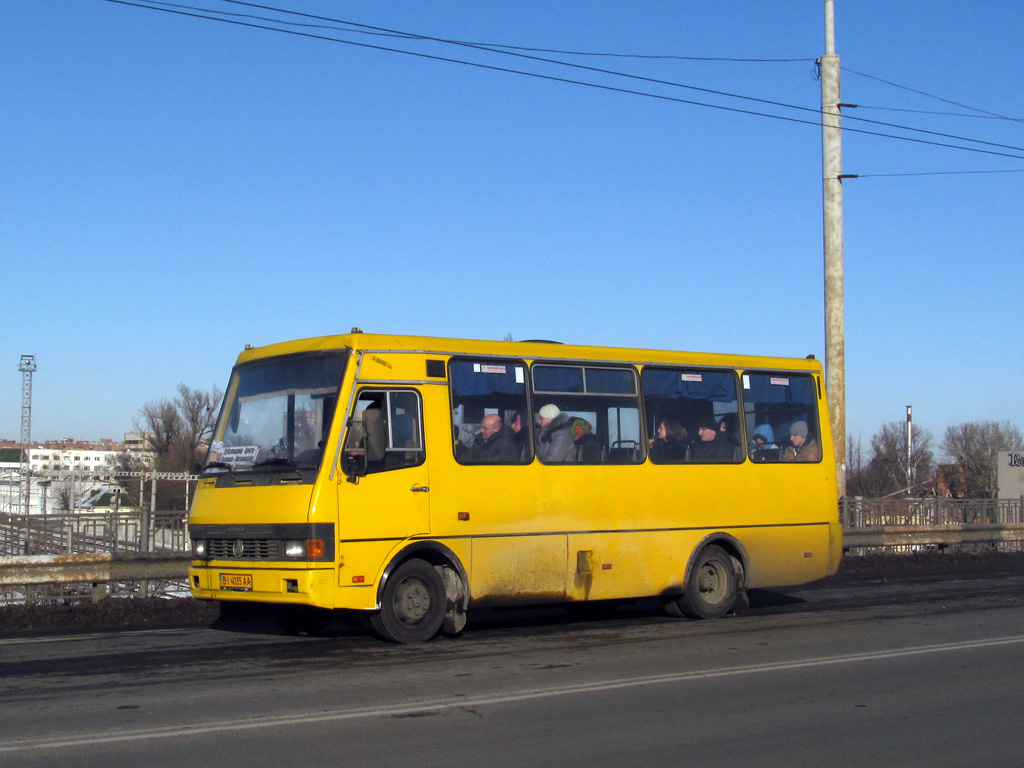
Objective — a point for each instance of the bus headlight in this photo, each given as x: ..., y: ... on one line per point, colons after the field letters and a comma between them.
x: 198, y: 548
x: 295, y: 549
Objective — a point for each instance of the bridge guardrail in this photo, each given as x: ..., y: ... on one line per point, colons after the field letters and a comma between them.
x: 42, y: 551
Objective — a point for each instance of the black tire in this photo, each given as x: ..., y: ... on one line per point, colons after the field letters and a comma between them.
x: 302, y: 619
x: 711, y: 587
x: 413, y: 605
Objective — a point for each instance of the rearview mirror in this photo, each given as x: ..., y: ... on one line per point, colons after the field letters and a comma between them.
x: 353, y: 464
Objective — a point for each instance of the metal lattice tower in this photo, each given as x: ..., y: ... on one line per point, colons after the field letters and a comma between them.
x: 27, y: 368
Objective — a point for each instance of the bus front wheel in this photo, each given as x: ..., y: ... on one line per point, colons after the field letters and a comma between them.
x: 413, y: 604
x: 712, y: 586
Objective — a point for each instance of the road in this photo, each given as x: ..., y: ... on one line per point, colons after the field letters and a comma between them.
x: 906, y: 672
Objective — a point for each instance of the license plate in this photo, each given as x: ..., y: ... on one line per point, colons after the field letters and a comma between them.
x: 240, y: 582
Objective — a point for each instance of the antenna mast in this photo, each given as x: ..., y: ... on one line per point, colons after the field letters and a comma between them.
x: 27, y: 368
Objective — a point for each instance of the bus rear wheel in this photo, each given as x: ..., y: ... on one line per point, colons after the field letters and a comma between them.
x: 413, y: 605
x: 712, y: 586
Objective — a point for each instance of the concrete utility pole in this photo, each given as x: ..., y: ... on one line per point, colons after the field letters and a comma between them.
x: 832, y: 169
x: 27, y: 368
x: 910, y: 449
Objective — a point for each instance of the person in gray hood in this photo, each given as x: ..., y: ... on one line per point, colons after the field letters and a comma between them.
x: 554, y: 438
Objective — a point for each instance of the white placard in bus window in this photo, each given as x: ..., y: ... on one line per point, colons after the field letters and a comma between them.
x: 746, y: 381
x: 779, y: 381
x: 692, y: 377
x: 240, y: 457
x: 492, y: 369
x: 520, y: 377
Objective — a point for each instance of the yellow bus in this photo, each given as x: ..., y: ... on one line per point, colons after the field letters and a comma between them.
x: 413, y: 478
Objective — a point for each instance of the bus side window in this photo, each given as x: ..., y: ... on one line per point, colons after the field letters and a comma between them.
x: 692, y: 415
x: 490, y: 414
x: 772, y: 404
x: 599, y: 408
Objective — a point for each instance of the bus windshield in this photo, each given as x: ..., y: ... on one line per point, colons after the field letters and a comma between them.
x: 277, y: 414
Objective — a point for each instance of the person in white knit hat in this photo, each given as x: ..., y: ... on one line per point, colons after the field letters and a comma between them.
x: 554, y: 438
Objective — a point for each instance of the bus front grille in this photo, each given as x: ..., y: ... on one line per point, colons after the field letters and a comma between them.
x: 243, y: 549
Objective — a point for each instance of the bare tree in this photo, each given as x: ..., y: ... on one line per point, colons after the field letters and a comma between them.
x: 177, y: 428
x: 975, y: 445
x: 198, y: 410
x: 885, y: 472
x: 895, y: 469
x: 162, y: 424
x: 856, y: 468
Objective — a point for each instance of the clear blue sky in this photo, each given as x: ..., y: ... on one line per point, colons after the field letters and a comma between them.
x: 173, y: 188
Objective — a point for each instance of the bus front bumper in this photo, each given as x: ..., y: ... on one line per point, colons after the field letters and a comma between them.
x: 299, y: 586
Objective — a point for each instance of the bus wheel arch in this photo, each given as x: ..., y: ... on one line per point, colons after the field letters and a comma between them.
x: 454, y: 581
x: 716, y: 579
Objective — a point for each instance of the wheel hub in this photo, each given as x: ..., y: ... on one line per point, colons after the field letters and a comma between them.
x: 412, y: 601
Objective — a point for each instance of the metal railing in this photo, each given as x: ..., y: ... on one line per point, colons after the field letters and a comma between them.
x: 902, y: 526
x: 72, y: 533
x: 74, y: 556
x: 84, y: 555
x: 858, y: 512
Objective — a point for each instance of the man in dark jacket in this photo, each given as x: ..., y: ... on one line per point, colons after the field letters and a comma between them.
x: 494, y: 443
x: 713, y: 444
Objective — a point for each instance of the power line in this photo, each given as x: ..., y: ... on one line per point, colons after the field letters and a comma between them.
x: 187, y: 11
x: 932, y: 96
x: 366, y: 29
x: 384, y: 32
x: 933, y: 112
x: 490, y: 47
x: 926, y: 173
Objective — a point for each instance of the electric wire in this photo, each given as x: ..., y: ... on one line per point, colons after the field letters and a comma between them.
x: 926, y: 173
x: 196, y: 12
x: 932, y: 96
x: 384, y: 31
x: 932, y: 112
x: 489, y: 47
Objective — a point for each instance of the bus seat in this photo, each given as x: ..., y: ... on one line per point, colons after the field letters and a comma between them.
x: 589, y: 449
x: 376, y: 435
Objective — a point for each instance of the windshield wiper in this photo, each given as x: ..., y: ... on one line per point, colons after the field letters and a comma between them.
x: 277, y: 461
x: 220, y: 465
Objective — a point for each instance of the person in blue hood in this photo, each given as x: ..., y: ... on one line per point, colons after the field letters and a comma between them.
x: 762, y: 442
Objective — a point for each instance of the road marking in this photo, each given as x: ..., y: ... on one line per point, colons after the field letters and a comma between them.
x: 450, y: 704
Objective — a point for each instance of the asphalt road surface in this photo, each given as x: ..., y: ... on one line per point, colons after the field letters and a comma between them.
x: 918, y: 672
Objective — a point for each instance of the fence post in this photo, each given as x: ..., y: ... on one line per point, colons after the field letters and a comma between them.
x: 144, y: 528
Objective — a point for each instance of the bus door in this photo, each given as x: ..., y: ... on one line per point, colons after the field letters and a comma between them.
x: 384, y: 484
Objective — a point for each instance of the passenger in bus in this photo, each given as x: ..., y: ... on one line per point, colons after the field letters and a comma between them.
x: 522, y: 434
x: 494, y: 443
x: 460, y: 449
x: 554, y: 438
x: 762, y: 444
x: 713, y: 445
x: 670, y: 445
x: 729, y: 426
x: 763, y: 437
x: 802, y: 446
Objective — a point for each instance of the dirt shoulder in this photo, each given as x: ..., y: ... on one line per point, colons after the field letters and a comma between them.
x: 114, y: 614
